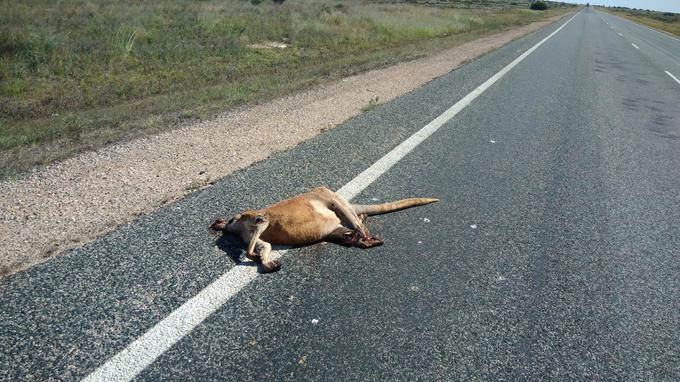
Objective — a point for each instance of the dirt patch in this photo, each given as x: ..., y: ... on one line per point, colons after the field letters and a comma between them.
x: 67, y: 204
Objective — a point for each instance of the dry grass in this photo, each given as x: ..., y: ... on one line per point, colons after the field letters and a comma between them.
x: 80, y: 74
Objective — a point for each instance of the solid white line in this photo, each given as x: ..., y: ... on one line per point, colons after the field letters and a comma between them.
x: 358, y: 184
x: 672, y: 76
x: 129, y: 362
x: 663, y: 33
x: 636, y: 47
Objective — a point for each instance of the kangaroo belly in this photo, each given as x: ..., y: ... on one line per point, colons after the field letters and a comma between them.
x: 300, y: 223
x: 297, y: 236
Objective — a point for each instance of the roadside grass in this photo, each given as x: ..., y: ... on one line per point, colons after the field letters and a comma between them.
x: 372, y: 104
x: 81, y: 74
x: 663, y: 21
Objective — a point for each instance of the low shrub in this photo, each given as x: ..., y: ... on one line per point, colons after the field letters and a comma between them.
x: 539, y: 6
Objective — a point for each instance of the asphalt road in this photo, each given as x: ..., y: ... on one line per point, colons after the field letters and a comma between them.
x: 553, y: 254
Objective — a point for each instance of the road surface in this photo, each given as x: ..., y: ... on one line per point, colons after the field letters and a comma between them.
x: 554, y: 252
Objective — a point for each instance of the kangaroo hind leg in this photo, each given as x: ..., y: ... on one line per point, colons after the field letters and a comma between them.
x: 343, y: 210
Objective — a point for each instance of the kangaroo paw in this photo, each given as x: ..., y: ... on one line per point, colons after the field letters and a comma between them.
x: 271, y: 266
x: 219, y: 225
x: 369, y: 242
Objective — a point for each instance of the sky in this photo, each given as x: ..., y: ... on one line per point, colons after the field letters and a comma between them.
x: 657, y: 5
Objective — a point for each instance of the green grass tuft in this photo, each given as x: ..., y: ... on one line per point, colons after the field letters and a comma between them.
x: 372, y: 104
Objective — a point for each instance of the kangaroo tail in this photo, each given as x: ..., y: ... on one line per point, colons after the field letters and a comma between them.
x: 377, y: 209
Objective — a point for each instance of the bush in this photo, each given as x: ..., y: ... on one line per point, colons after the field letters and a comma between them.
x: 539, y: 6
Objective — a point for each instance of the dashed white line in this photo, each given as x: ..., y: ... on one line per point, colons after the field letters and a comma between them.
x: 650, y: 28
x: 132, y: 360
x: 672, y: 76
x: 620, y: 34
x: 635, y: 46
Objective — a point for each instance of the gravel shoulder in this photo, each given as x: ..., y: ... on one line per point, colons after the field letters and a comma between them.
x: 68, y: 204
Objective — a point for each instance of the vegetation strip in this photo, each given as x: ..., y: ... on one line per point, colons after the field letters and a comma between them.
x: 79, y: 75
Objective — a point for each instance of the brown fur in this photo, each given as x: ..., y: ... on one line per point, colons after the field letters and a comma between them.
x: 312, y: 217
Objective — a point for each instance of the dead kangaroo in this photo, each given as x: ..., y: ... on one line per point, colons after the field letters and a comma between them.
x: 312, y: 217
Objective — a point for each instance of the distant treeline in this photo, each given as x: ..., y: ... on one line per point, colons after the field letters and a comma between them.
x: 481, y: 3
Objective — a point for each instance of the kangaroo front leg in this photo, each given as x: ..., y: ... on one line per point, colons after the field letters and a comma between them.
x: 264, y: 250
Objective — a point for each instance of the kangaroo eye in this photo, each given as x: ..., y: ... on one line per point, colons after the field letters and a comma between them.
x: 259, y: 219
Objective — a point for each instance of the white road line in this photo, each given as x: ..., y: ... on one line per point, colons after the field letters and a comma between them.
x: 620, y: 35
x: 130, y: 361
x: 635, y: 46
x: 672, y: 76
x: 663, y: 33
